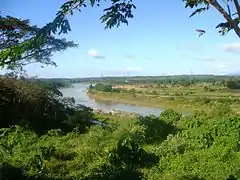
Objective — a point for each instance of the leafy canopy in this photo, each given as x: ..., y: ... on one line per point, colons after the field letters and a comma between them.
x: 22, y: 44
x: 229, y: 9
x: 120, y: 11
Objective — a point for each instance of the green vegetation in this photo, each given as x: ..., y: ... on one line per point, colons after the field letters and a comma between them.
x: 22, y: 44
x: 46, y: 136
x: 181, y: 94
x: 200, y: 146
x: 233, y: 84
x: 38, y: 106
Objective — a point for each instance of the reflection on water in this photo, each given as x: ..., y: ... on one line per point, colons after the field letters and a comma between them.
x: 78, y: 91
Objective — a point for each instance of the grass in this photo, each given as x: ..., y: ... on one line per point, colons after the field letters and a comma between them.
x: 164, y: 103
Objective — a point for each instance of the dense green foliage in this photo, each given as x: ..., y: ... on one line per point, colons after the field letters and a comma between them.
x: 102, y: 87
x: 233, y: 84
x: 50, y: 137
x: 21, y: 44
x: 46, y: 136
x: 200, y: 146
x: 38, y: 105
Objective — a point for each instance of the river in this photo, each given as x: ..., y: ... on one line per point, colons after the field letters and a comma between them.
x: 79, y: 93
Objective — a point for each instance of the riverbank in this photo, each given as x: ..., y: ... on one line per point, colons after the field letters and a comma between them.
x: 179, y: 104
x: 148, y: 101
x: 114, y: 112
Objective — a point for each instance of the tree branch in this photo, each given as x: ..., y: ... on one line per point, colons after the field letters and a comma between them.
x: 237, y: 7
x: 225, y: 15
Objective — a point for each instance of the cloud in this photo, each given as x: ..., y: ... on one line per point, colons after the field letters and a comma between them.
x: 95, y: 54
x: 233, y: 47
x: 221, y: 65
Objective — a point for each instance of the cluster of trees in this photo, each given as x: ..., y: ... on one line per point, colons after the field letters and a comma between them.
x: 38, y: 105
x: 233, y: 84
x: 102, y: 87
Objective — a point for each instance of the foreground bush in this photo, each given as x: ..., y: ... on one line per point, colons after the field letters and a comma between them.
x: 199, y: 146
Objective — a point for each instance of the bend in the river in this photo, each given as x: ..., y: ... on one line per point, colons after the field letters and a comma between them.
x: 79, y: 92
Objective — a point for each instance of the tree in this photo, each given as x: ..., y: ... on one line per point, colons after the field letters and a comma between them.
x: 233, y: 84
x: 21, y: 44
x: 121, y: 10
x: 231, y: 13
x: 103, y: 87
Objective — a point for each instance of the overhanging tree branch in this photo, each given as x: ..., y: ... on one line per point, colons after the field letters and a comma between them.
x: 231, y: 22
x: 237, y: 7
x: 22, y: 42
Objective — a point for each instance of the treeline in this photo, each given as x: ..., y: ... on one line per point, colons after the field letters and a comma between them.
x: 102, y: 87
x: 184, y: 79
x: 232, y: 83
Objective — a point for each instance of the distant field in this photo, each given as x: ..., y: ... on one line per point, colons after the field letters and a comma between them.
x: 172, y: 96
x: 195, y: 91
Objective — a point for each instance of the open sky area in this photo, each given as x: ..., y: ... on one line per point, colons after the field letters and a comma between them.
x: 160, y: 40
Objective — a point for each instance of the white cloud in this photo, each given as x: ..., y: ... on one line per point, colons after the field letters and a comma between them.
x: 221, y: 65
x: 233, y: 47
x: 95, y: 54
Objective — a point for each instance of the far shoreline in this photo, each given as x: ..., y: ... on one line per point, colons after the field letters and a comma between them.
x: 138, y: 101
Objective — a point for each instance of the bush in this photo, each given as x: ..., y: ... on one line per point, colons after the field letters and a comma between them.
x: 154, y: 92
x: 103, y: 87
x: 156, y: 129
x: 233, y: 84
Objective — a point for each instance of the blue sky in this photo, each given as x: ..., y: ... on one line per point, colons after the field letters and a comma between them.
x: 160, y: 40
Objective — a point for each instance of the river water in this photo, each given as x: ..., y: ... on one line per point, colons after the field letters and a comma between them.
x: 79, y: 92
